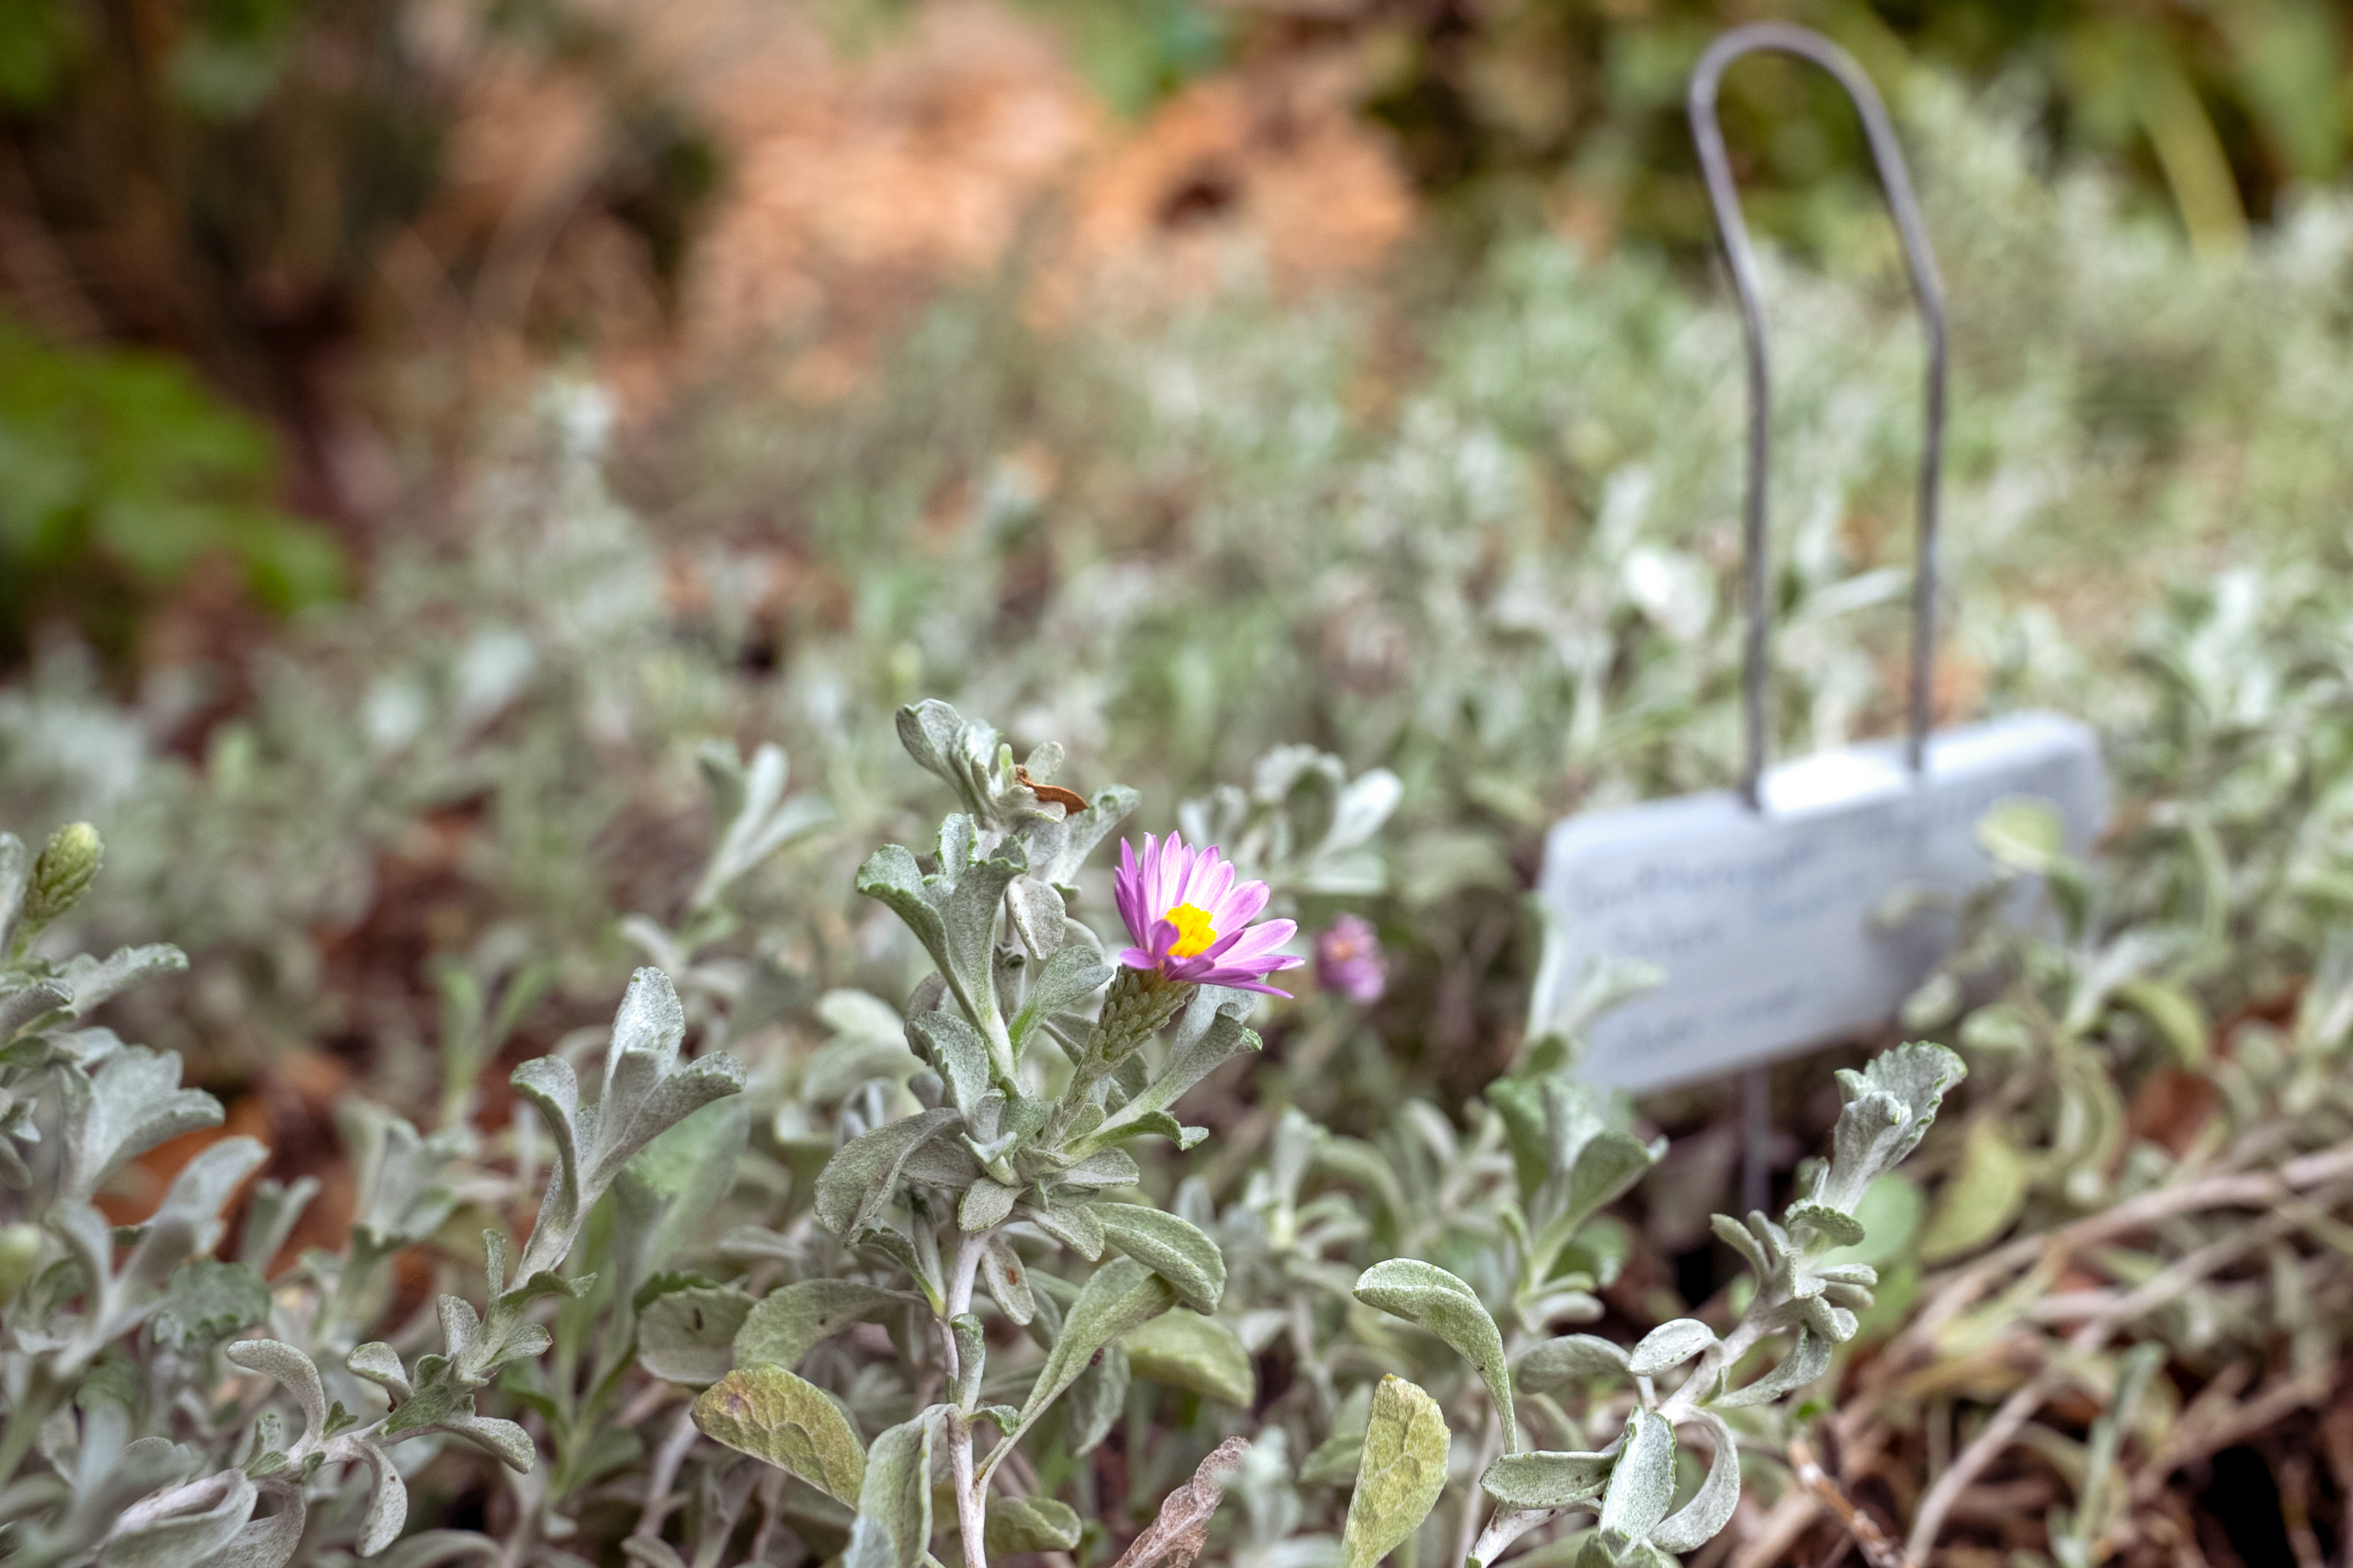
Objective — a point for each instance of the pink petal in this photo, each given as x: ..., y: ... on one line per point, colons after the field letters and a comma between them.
x: 1127, y: 887
x: 1256, y: 941
x: 1136, y: 958
x: 1237, y: 909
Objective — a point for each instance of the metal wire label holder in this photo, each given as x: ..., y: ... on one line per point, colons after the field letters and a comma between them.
x: 1762, y: 904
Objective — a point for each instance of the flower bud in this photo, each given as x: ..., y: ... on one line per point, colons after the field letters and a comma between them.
x: 20, y: 1251
x: 61, y: 874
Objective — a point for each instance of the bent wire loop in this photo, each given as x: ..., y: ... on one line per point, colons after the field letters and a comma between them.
x: 1724, y: 197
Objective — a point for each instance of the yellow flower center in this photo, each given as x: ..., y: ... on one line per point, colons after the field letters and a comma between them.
x: 1193, y: 933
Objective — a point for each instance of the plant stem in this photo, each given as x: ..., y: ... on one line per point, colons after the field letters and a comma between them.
x: 971, y: 1509
x: 23, y: 1422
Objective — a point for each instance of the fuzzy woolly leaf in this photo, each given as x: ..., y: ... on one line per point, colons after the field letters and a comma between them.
x: 857, y: 1183
x: 1008, y: 1280
x: 1401, y: 1473
x: 1428, y: 1297
x: 893, y: 1528
x: 1095, y: 1402
x: 1572, y: 1358
x: 1834, y: 1227
x: 1175, y: 1250
x: 1669, y: 1345
x: 775, y: 1415
x: 783, y: 1324
x: 953, y: 912
x: 986, y: 1206
x: 387, y: 1509
x: 957, y: 1051
x: 94, y: 981
x: 1030, y: 1524
x: 686, y: 1336
x: 1184, y: 1350
x: 1890, y: 1105
x: 207, y: 1519
x: 380, y: 1365
x: 1696, y: 1523
x: 1189, y: 1061
x: 1119, y: 1298
x: 1073, y: 1225
x: 1548, y: 1477
x: 1069, y: 977
x: 1643, y: 1483
x: 1807, y: 1360
x: 648, y: 1089
x: 205, y: 1300
x: 295, y: 1372
x: 1058, y: 849
x: 20, y: 1008
x: 1103, y: 1168
x: 134, y: 1102
x: 1037, y: 914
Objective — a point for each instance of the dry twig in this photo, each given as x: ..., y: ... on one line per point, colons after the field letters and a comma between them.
x: 1877, y: 1549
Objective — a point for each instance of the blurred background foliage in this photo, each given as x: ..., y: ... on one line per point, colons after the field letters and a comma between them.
x: 356, y: 219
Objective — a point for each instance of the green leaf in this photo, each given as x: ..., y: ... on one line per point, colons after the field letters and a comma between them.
x: 294, y: 1371
x: 207, y: 1523
x: 648, y: 1089
x: 1696, y: 1523
x: 1119, y: 1298
x: 1184, y: 1350
x: 1982, y: 1198
x: 205, y: 1300
x: 1190, y: 1059
x: 1668, y: 1346
x: 2178, y: 1017
x: 401, y: 1196
x: 1058, y: 849
x: 1807, y: 1360
x: 773, y: 1414
x: 1070, y: 976
x: 2023, y: 836
x: 1572, y: 1358
x: 1174, y: 1249
x: 857, y: 1183
x: 1643, y: 1483
x: 1095, y: 1402
x: 1889, y: 1108
x: 986, y: 1206
x: 957, y: 1053
x: 686, y: 1336
x: 1547, y: 1478
x: 1073, y: 1225
x: 1009, y: 1279
x: 1103, y: 1168
x: 1428, y: 1297
x: 1401, y: 1473
x: 953, y: 912
x: 132, y: 1103
x: 893, y: 1528
x: 1030, y: 1524
x: 667, y: 1192
x: 1837, y: 1228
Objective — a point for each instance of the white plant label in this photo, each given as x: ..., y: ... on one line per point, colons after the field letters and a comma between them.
x: 1770, y: 925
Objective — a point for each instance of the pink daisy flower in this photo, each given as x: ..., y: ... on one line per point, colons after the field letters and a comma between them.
x: 1349, y: 960
x: 1190, y: 920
